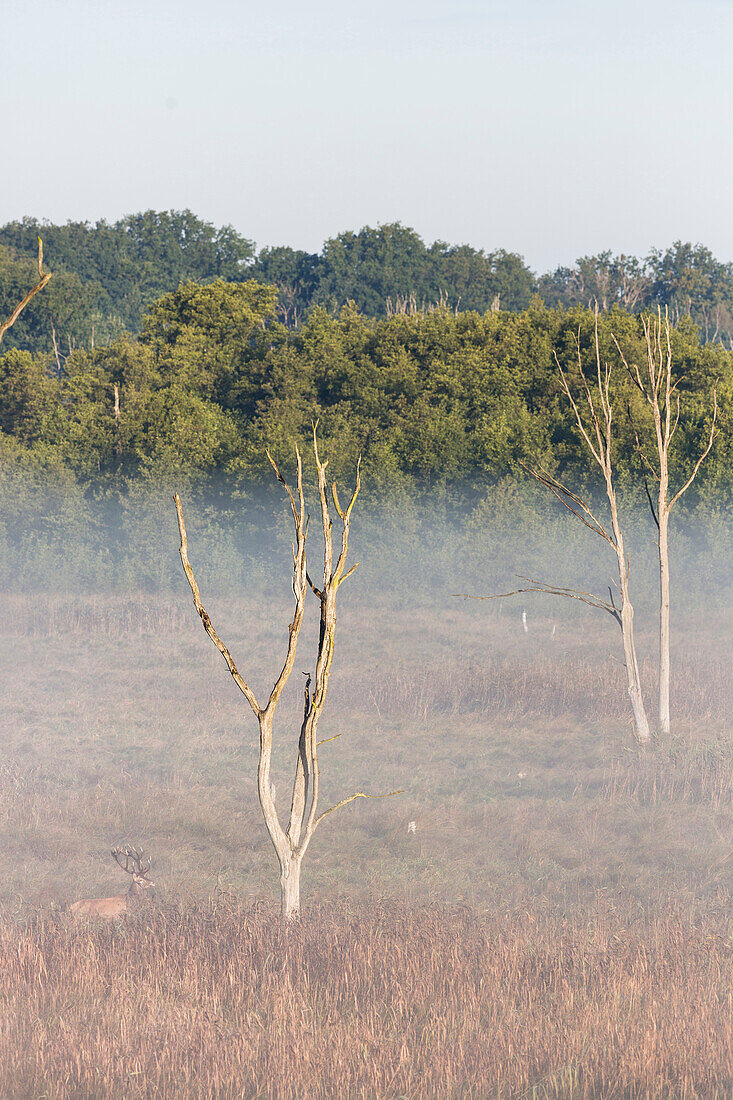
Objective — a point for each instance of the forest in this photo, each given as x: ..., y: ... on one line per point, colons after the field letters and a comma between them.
x: 108, y: 275
x: 208, y: 375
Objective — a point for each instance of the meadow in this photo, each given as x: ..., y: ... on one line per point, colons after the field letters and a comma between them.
x: 556, y: 925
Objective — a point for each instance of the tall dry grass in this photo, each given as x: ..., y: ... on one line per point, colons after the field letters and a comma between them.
x: 549, y: 686
x: 381, y: 1001
x: 574, y: 974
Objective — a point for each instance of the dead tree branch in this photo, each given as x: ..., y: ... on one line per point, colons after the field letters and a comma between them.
x: 593, y: 412
x: 43, y: 278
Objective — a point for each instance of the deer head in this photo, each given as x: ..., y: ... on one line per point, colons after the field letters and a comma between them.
x: 131, y: 861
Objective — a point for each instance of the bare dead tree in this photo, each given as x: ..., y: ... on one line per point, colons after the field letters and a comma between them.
x: 292, y: 840
x: 654, y: 382
x: 42, y: 280
x: 595, y: 424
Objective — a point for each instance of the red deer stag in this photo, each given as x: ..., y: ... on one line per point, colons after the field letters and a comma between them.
x: 131, y: 861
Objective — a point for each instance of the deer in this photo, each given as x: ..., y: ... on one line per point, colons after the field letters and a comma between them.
x: 131, y: 861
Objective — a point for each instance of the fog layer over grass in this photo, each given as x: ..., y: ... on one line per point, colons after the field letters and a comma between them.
x: 556, y: 919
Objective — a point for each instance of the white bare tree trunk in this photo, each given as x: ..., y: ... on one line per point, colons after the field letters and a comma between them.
x: 596, y: 428
x: 656, y: 386
x: 664, y: 659
x: 290, y: 888
x: 633, y: 679
x: 641, y: 722
x: 662, y: 397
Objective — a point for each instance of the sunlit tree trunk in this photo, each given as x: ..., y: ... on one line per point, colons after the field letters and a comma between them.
x: 290, y: 888
x: 292, y: 841
x: 633, y: 679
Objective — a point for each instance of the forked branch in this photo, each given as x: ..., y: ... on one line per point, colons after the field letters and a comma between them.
x: 661, y: 393
x: 574, y: 504
x: 291, y: 842
x: 645, y: 465
x: 705, y: 452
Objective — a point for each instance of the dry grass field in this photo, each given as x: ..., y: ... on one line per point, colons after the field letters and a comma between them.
x: 557, y: 925
x: 376, y: 1001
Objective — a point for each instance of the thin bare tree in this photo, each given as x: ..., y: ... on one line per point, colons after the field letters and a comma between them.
x: 291, y: 841
x: 42, y: 280
x: 655, y: 383
x: 594, y: 413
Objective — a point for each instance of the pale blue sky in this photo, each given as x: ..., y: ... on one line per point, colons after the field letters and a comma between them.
x: 551, y: 128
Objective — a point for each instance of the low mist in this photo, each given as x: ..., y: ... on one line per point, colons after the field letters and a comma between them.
x: 505, y: 721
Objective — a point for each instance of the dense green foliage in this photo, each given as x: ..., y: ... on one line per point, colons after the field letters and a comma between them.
x: 391, y: 270
x: 433, y: 401
x: 107, y: 276
x: 686, y: 279
x: 444, y: 406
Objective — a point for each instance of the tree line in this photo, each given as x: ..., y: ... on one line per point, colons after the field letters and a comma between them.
x: 108, y: 276
x: 435, y: 401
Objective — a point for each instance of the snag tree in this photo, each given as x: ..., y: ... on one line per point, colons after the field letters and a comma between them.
x: 594, y: 416
x: 661, y: 394
x: 292, y: 839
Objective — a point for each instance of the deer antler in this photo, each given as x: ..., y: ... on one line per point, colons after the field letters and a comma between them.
x: 132, y: 856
